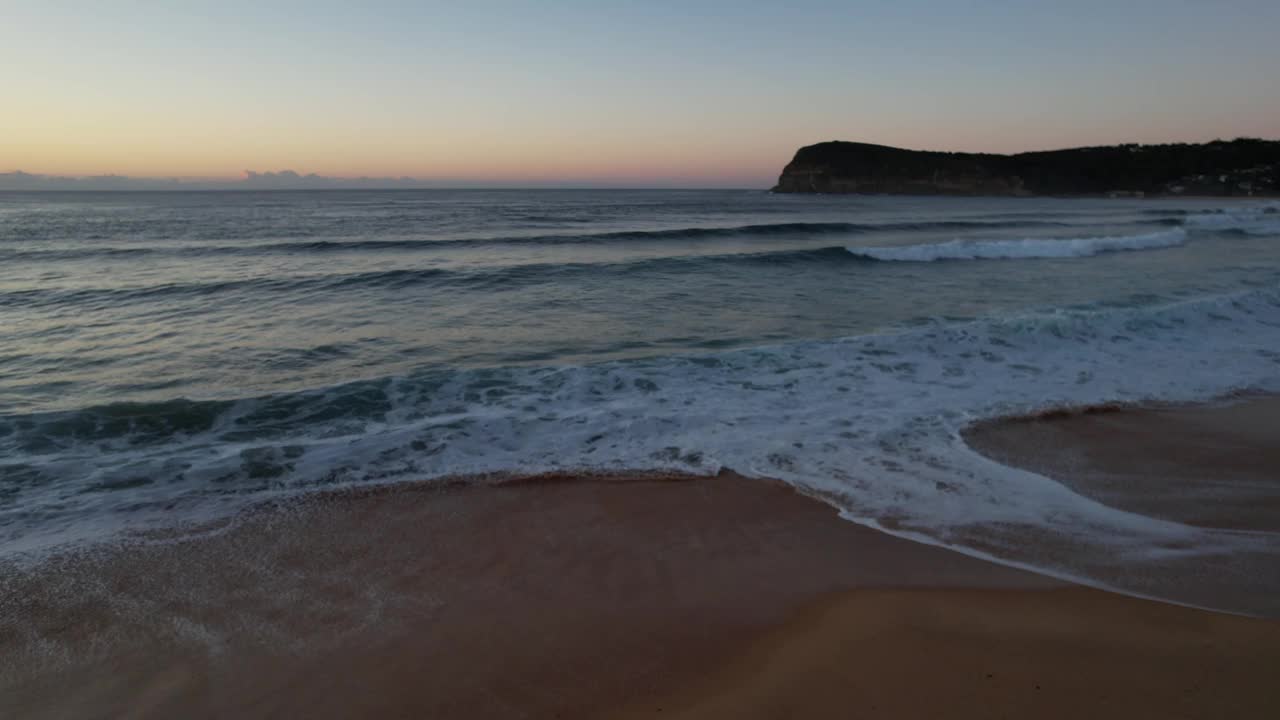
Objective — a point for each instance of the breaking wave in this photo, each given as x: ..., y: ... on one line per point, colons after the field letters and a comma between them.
x: 1254, y: 220
x: 871, y: 423
x: 123, y: 424
x: 414, y: 244
x: 1024, y: 248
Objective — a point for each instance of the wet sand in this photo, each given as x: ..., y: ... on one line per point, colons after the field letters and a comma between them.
x: 570, y: 597
x: 1213, y: 465
x: 1066, y: 653
x: 525, y: 600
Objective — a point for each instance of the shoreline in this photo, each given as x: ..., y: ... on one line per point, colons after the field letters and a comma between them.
x: 440, y: 600
x: 1212, y: 464
x: 1210, y: 469
x: 612, y: 595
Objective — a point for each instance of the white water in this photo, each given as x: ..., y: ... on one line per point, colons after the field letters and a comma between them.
x: 870, y: 423
x: 1252, y: 220
x: 1024, y: 248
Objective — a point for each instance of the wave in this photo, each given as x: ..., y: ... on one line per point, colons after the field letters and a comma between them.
x: 869, y: 423
x: 1032, y: 360
x: 519, y: 275
x: 688, y: 234
x: 266, y: 416
x: 1261, y: 206
x: 502, y: 277
x: 1254, y: 220
x: 1024, y: 248
x: 494, y: 278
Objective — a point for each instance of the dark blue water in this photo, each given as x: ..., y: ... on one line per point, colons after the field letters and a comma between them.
x: 167, y: 357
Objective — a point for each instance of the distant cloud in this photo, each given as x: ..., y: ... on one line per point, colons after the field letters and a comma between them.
x: 19, y: 180
x: 288, y: 179
x: 252, y: 180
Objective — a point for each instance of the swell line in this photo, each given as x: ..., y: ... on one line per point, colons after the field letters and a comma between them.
x: 479, y: 279
x: 691, y: 234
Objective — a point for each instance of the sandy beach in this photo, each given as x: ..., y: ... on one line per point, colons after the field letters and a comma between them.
x: 1064, y: 653
x: 557, y: 595
x: 623, y: 361
x: 1212, y: 465
x: 619, y: 596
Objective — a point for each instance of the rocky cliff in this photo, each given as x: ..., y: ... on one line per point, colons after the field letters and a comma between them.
x: 1237, y: 167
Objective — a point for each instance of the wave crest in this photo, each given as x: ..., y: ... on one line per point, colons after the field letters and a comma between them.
x: 1022, y: 248
x: 1255, y: 220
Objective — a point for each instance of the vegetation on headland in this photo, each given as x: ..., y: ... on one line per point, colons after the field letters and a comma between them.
x: 1241, y: 167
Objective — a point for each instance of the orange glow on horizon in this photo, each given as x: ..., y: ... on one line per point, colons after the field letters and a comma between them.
x: 605, y: 92
x: 38, y: 140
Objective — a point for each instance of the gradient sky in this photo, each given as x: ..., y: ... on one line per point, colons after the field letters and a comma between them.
x: 616, y: 93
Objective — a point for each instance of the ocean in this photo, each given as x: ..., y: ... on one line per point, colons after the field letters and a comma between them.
x: 171, y: 359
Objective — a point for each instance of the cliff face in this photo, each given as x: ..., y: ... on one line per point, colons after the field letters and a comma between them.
x: 1238, y: 167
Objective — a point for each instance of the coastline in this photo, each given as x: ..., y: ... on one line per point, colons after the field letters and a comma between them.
x: 1214, y: 464
x: 1129, y: 170
x: 628, y: 595
x: 1061, y: 652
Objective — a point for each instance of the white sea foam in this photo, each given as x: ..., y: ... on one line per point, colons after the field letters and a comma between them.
x: 871, y: 423
x: 1252, y: 220
x: 1023, y: 248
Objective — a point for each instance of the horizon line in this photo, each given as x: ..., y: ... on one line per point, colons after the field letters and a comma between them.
x: 23, y: 181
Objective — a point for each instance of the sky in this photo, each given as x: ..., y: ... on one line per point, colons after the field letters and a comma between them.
x: 657, y: 93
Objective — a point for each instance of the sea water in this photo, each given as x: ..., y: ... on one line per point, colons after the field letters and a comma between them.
x: 171, y: 358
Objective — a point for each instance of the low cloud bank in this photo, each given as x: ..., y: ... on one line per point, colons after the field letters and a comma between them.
x: 292, y: 180
x: 288, y: 179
